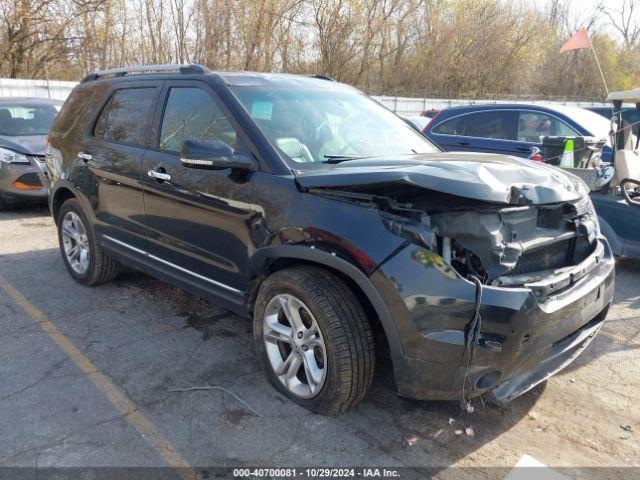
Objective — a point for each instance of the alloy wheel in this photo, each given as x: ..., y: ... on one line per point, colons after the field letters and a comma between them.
x: 75, y: 242
x: 295, y: 346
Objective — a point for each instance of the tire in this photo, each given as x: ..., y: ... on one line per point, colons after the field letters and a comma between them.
x: 100, y: 268
x: 343, y: 349
x: 3, y: 205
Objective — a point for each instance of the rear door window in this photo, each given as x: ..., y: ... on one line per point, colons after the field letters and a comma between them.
x: 126, y: 116
x: 71, y: 109
x: 192, y: 114
x: 532, y: 126
x: 453, y: 126
x: 499, y: 125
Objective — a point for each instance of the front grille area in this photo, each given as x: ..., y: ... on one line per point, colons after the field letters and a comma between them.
x: 544, y: 258
x: 551, y: 257
x: 582, y: 250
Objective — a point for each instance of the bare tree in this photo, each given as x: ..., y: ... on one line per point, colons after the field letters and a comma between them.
x: 411, y: 47
x: 624, y: 19
x: 35, y: 32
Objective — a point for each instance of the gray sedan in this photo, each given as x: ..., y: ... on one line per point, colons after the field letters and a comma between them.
x: 24, y: 124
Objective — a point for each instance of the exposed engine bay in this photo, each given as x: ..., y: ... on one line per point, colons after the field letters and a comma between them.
x: 502, y: 245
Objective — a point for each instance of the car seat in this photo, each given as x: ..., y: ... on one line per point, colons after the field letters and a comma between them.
x: 298, y: 152
x: 288, y: 133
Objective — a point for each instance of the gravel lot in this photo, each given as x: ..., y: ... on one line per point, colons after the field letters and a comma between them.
x: 147, y: 339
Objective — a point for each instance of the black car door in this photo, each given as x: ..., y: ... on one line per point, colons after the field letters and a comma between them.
x: 198, y: 220
x: 112, y: 153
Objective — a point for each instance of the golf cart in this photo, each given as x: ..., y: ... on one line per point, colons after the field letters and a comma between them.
x: 616, y: 191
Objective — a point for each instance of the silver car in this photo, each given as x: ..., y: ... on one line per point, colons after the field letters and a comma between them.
x: 24, y: 124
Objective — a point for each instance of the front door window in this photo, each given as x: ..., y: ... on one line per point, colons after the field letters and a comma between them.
x: 191, y: 114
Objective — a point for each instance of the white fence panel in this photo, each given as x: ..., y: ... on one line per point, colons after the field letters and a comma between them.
x: 59, y: 90
x: 20, y: 87
x: 414, y: 106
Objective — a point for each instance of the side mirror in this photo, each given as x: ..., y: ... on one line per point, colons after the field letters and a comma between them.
x: 213, y: 154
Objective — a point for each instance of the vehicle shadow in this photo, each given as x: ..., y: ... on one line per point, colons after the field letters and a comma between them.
x: 409, y: 433
x: 395, y: 431
x: 24, y: 211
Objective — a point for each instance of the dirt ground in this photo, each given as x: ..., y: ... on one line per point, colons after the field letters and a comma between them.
x: 151, y: 343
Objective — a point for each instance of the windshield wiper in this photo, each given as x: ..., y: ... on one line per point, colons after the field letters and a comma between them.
x: 341, y: 158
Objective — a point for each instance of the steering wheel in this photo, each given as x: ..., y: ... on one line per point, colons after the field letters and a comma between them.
x: 629, y: 199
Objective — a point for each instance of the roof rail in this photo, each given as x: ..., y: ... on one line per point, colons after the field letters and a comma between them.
x: 142, y: 69
x: 323, y: 77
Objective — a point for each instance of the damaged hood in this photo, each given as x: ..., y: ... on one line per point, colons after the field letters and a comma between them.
x: 480, y: 176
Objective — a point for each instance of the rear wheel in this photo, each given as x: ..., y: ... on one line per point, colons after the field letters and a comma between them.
x: 313, y: 339
x: 83, y: 256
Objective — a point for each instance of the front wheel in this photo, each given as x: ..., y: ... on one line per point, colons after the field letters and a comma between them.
x: 83, y: 256
x: 313, y: 339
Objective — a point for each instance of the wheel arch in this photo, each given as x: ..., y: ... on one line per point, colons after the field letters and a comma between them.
x: 61, y: 195
x: 63, y: 191
x: 272, y: 259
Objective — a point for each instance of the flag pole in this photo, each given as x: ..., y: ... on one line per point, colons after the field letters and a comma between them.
x: 599, y: 68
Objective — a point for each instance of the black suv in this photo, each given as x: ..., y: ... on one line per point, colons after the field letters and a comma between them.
x: 306, y: 205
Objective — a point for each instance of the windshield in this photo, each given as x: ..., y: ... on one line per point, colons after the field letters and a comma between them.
x: 19, y: 120
x: 312, y: 126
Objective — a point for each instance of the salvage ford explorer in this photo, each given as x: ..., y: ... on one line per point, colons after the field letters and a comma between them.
x: 304, y: 204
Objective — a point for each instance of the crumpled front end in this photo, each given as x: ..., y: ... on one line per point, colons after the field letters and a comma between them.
x: 514, y: 246
x: 540, y: 275
x: 523, y: 338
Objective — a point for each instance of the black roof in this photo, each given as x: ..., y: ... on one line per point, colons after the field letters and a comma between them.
x: 272, y: 80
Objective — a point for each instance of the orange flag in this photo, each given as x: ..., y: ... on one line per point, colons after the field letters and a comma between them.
x: 579, y: 40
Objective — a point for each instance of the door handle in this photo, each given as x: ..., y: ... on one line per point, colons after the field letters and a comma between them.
x: 159, y: 174
x: 524, y: 148
x: 464, y: 144
x: 84, y: 156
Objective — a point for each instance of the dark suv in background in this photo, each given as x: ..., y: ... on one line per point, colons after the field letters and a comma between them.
x: 306, y: 205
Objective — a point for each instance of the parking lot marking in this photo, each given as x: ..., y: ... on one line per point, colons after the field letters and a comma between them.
x: 118, y: 399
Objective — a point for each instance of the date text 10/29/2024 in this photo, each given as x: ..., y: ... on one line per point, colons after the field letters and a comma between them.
x: 286, y: 473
